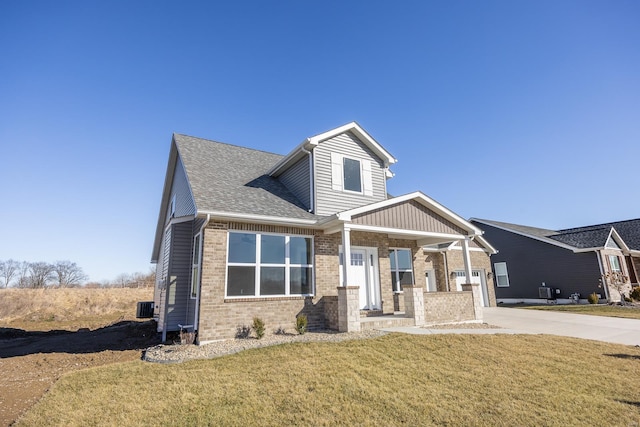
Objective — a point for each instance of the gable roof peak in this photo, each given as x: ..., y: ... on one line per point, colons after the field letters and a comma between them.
x: 311, y: 142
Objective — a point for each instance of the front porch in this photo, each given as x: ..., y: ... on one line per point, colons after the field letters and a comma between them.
x: 421, y: 308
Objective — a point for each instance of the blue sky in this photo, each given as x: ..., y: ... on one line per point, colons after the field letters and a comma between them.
x: 519, y: 111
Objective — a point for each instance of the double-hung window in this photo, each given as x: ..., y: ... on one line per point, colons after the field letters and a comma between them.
x: 502, y: 277
x: 269, y: 265
x: 401, y: 268
x: 614, y: 261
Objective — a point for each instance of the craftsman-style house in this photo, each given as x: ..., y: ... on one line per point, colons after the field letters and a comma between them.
x: 244, y: 233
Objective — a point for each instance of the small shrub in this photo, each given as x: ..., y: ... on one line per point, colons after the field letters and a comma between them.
x: 301, y: 324
x: 243, y: 332
x: 635, y: 293
x: 258, y: 327
x: 593, y: 298
x: 280, y: 331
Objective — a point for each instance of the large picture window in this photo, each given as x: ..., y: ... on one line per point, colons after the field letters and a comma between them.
x: 269, y: 265
x: 401, y: 268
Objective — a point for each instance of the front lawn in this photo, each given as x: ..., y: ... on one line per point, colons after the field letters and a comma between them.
x: 396, y: 379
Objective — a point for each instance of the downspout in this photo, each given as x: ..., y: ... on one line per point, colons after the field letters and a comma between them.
x: 605, y: 286
x: 311, y: 180
x: 196, y: 315
x: 446, y: 270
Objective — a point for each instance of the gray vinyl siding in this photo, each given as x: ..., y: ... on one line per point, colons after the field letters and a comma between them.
x: 185, y: 205
x: 297, y: 180
x: 531, y: 262
x: 328, y: 201
x: 178, y: 300
x: 409, y: 216
x: 162, y: 272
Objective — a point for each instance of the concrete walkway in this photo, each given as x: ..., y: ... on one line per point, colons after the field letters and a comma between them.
x: 527, y: 321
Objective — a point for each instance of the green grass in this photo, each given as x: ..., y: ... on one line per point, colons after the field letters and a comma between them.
x: 481, y: 380
x: 593, y: 309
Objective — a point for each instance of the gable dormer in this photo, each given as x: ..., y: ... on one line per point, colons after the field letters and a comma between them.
x: 337, y: 170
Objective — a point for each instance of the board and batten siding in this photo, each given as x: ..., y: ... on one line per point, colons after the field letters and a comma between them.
x: 298, y: 180
x: 531, y: 262
x: 409, y: 215
x: 330, y: 201
x: 185, y: 205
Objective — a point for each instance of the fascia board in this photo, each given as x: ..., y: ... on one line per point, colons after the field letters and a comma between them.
x: 403, y: 232
x: 623, y: 245
x: 259, y: 219
x: 164, y: 203
x: 530, y: 236
x: 295, y: 154
x: 360, y: 133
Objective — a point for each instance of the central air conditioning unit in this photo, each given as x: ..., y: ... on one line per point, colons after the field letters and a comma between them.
x: 144, y: 310
x: 544, y: 292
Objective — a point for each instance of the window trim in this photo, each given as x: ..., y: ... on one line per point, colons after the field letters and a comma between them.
x: 617, y: 261
x: 395, y: 286
x: 506, y: 274
x: 257, y: 265
x: 344, y: 175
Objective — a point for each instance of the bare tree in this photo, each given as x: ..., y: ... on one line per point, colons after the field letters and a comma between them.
x: 24, y: 279
x: 8, y: 271
x: 68, y: 274
x: 40, y: 274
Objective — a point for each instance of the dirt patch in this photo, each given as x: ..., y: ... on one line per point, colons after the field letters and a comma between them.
x: 32, y: 361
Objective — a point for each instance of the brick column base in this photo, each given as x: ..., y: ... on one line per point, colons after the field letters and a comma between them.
x: 414, y: 304
x: 477, y: 298
x: 349, y: 308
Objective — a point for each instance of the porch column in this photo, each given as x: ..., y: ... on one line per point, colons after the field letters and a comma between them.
x: 467, y: 258
x: 346, y: 254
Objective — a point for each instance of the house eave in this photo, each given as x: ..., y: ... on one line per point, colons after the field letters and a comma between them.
x: 530, y: 236
x: 258, y: 219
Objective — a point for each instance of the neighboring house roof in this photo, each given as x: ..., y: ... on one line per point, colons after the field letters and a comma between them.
x: 230, y: 179
x: 627, y: 233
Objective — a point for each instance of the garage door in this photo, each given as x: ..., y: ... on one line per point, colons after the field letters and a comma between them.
x: 476, y: 277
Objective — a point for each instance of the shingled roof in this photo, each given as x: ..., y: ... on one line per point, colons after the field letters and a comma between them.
x: 591, y: 236
x: 230, y: 179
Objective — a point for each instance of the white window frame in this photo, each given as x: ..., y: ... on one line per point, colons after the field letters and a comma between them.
x: 397, y: 288
x: 196, y: 263
x: 338, y: 175
x: 258, y: 265
x: 506, y: 273
x: 615, y: 268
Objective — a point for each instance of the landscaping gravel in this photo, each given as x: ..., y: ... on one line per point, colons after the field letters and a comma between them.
x: 177, y: 353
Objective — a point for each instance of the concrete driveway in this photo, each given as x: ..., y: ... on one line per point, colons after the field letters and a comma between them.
x: 600, y: 328
x: 527, y: 321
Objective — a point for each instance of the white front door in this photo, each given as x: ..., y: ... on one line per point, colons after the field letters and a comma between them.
x: 363, y: 270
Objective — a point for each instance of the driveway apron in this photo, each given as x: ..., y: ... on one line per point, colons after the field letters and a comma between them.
x: 600, y: 328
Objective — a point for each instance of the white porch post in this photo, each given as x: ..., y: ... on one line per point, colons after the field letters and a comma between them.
x: 467, y: 258
x: 346, y: 254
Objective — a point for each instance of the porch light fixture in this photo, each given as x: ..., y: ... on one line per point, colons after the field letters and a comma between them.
x: 490, y: 275
x: 452, y: 275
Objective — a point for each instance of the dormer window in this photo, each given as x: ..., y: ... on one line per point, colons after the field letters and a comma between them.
x: 351, y: 175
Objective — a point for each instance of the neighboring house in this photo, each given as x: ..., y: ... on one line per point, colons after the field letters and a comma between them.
x: 244, y: 233
x: 603, y: 258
